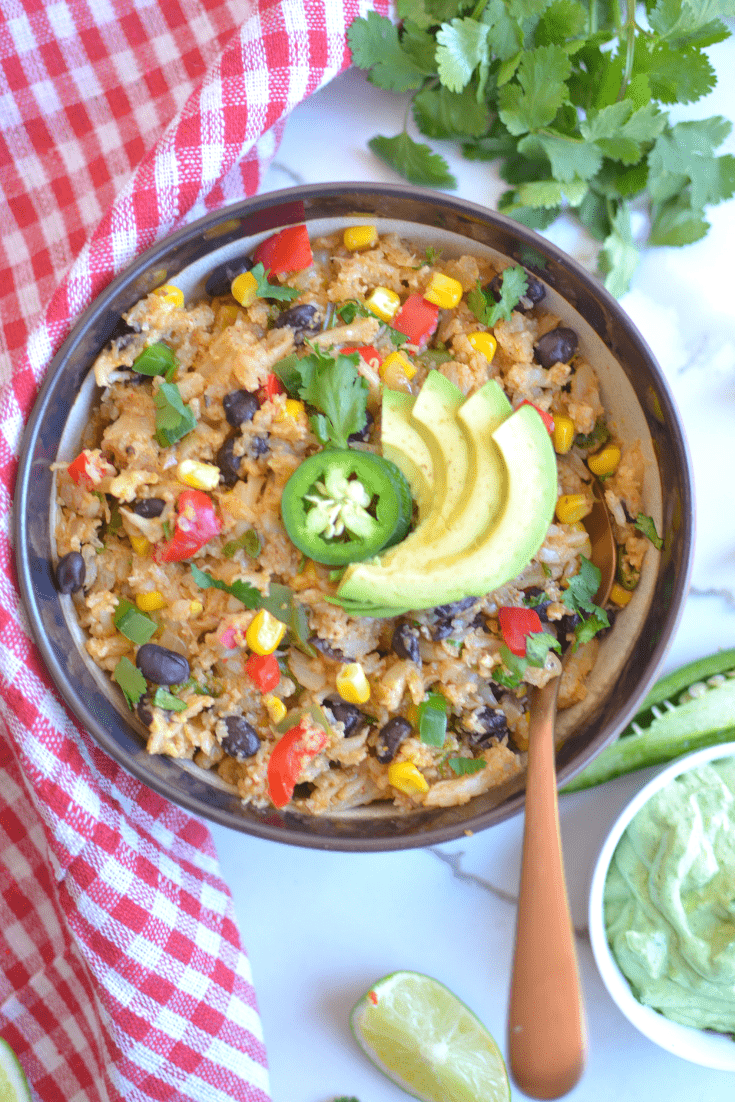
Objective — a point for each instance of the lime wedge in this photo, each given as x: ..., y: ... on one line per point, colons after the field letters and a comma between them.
x: 428, y: 1042
x: 13, y: 1083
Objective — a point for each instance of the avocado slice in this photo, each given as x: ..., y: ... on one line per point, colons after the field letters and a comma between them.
x: 483, y: 494
x: 435, y: 414
x: 405, y: 445
x: 509, y: 543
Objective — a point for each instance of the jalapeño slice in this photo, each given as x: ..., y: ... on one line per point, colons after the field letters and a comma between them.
x: 344, y: 505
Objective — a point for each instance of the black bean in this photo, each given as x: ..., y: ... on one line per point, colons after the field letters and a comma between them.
x: 345, y: 713
x: 362, y: 434
x: 71, y: 571
x: 219, y: 281
x: 489, y: 723
x: 447, y: 612
x: 239, y: 406
x: 149, y: 507
x: 556, y: 346
x: 305, y: 320
x: 390, y: 738
x: 328, y: 650
x: 143, y: 711
x: 442, y: 629
x: 228, y: 462
x: 161, y: 665
x: 241, y: 740
x: 405, y: 642
x: 259, y: 446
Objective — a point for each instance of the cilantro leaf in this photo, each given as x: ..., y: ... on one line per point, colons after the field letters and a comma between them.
x: 619, y: 256
x: 339, y: 391
x: 647, y: 526
x: 333, y: 386
x: 569, y: 99
x: 512, y: 289
x: 582, y: 587
x: 540, y: 90
x: 244, y: 591
x: 440, y: 113
x: 463, y: 46
x: 376, y: 47
x: 264, y: 289
x: 162, y: 698
x: 465, y: 766
x: 538, y: 645
x: 510, y: 674
x: 414, y: 160
x: 173, y: 418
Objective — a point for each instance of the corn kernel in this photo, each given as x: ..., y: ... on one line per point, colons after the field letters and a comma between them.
x: 563, y: 434
x: 244, y: 288
x: 443, y: 291
x: 140, y: 545
x: 195, y: 607
x: 412, y: 714
x: 619, y: 595
x: 151, y: 601
x: 384, y: 303
x: 572, y: 507
x: 605, y: 461
x: 360, y: 237
x: 173, y: 295
x: 292, y: 408
x: 352, y: 685
x: 484, y: 343
x: 396, y: 371
x: 275, y: 707
x: 198, y: 475
x: 264, y: 632
x: 404, y: 776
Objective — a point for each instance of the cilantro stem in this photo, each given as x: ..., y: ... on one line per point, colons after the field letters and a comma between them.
x: 479, y: 9
x: 592, y: 22
x: 629, y: 29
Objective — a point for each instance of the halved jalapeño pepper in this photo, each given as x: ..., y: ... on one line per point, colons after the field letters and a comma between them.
x: 345, y: 505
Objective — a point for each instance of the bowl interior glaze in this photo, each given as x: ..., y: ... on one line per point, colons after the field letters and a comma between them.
x: 185, y: 258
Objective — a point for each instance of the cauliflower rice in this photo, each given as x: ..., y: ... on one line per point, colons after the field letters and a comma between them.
x: 220, y: 718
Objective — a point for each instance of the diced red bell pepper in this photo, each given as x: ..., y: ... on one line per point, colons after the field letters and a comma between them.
x: 270, y: 388
x: 417, y: 319
x: 288, y: 758
x: 196, y: 524
x: 264, y: 671
x: 545, y: 416
x: 516, y: 624
x: 89, y: 468
x: 367, y: 351
x: 287, y: 251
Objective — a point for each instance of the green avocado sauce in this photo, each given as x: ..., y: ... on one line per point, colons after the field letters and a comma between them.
x: 670, y: 899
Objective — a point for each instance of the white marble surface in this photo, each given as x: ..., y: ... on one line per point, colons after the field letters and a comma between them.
x: 321, y: 927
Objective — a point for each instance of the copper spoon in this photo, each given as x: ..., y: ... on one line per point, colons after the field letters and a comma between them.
x: 547, y: 1041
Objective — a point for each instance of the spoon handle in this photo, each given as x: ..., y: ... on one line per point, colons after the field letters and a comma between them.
x: 546, y: 1028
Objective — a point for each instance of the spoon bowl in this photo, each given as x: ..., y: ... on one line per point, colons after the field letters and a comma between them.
x: 547, y: 1041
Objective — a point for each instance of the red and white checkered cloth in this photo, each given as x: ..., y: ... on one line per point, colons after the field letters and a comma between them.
x: 122, y: 974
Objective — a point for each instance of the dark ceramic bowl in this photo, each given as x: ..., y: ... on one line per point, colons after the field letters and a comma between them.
x: 633, y: 388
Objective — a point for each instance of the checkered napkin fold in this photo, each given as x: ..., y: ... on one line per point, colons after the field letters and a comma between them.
x: 122, y: 974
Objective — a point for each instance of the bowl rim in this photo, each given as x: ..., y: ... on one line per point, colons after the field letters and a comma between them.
x: 709, y: 1050
x: 269, y: 210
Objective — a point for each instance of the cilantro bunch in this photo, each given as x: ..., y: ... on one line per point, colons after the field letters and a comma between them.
x: 569, y: 97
